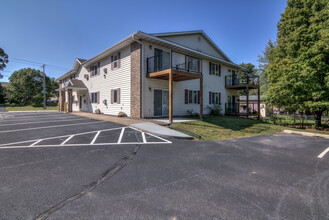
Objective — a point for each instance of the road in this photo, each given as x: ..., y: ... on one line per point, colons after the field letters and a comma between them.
x: 110, y: 171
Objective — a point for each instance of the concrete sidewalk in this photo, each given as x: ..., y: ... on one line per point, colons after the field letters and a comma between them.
x: 148, y: 125
x: 160, y: 130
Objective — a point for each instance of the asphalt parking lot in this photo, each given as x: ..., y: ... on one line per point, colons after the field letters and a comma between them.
x: 57, y: 166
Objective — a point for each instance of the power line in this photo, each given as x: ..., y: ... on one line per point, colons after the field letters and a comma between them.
x: 52, y: 66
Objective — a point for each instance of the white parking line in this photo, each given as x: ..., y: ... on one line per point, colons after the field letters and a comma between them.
x: 144, y: 139
x: 96, y: 136
x: 80, y: 145
x: 49, y: 138
x: 67, y: 139
x: 43, y: 122
x: 38, y: 141
x: 33, y: 119
x: 323, y: 153
x: 153, y: 135
x: 121, y: 135
x: 55, y: 126
x: 92, y: 143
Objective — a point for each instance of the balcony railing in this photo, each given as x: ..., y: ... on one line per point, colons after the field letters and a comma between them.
x: 240, y: 80
x: 241, y: 109
x: 174, y: 60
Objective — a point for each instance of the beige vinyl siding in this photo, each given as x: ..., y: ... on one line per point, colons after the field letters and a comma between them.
x: 196, y: 42
x: 117, y: 78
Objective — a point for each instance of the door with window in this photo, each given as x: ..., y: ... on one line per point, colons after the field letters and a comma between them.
x: 161, y: 102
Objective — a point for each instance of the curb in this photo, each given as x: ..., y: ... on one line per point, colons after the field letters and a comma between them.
x: 181, y: 130
x: 308, y: 134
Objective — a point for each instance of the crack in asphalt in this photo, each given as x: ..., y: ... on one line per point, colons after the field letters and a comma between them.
x: 102, y: 178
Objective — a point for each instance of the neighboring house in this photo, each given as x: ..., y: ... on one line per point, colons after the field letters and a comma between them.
x: 253, y: 104
x: 155, y: 75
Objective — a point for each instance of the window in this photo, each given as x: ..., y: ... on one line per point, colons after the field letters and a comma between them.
x: 115, y: 95
x: 214, y: 98
x: 94, y: 97
x: 193, y: 64
x: 115, y: 61
x: 214, y: 69
x: 93, y: 70
x: 73, y: 76
x: 193, y: 97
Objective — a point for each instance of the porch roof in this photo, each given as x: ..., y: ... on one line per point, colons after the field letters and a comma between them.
x: 74, y: 84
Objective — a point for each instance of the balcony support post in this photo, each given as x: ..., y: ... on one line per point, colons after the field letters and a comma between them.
x: 258, y: 102
x: 247, y: 101
x: 171, y: 88
x: 201, y: 97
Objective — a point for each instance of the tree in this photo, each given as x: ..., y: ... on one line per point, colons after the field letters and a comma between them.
x: 298, y: 71
x: 249, y: 71
x: 25, y: 87
x: 264, y: 60
x: 2, y: 94
x: 3, y: 61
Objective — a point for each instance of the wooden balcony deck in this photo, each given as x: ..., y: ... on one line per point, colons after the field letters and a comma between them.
x: 178, y: 75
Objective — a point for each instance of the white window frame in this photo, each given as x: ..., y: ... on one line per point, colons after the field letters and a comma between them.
x: 94, y: 97
x: 116, y: 61
x: 93, y: 70
x: 194, y: 96
x: 215, y: 98
x: 214, y: 69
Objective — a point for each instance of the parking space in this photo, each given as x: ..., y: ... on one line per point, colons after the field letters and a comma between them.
x: 54, y: 129
x: 59, y: 166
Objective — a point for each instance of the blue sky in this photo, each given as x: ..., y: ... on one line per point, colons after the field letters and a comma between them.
x: 57, y: 32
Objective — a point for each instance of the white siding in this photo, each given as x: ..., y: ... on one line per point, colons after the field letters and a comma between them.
x: 117, y: 78
x: 211, y: 83
x: 196, y: 42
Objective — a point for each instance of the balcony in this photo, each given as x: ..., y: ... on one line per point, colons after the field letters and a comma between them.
x: 183, y: 67
x: 240, y: 109
x: 241, y: 82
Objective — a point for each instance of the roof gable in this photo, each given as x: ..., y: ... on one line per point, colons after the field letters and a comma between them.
x: 196, y: 40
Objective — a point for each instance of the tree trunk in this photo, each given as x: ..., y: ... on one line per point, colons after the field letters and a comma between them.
x: 317, y: 117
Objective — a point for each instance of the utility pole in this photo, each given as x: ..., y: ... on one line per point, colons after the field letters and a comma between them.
x: 44, y: 86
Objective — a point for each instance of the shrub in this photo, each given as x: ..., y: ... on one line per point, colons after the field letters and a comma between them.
x: 122, y: 114
x: 189, y: 112
x: 215, y: 109
x: 37, y: 101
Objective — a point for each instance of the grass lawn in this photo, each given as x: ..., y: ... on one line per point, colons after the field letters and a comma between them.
x: 29, y: 108
x: 229, y: 127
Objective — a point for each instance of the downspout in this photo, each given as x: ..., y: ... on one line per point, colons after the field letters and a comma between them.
x: 142, y: 73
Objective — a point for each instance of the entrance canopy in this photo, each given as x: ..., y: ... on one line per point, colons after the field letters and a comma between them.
x: 73, y: 84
